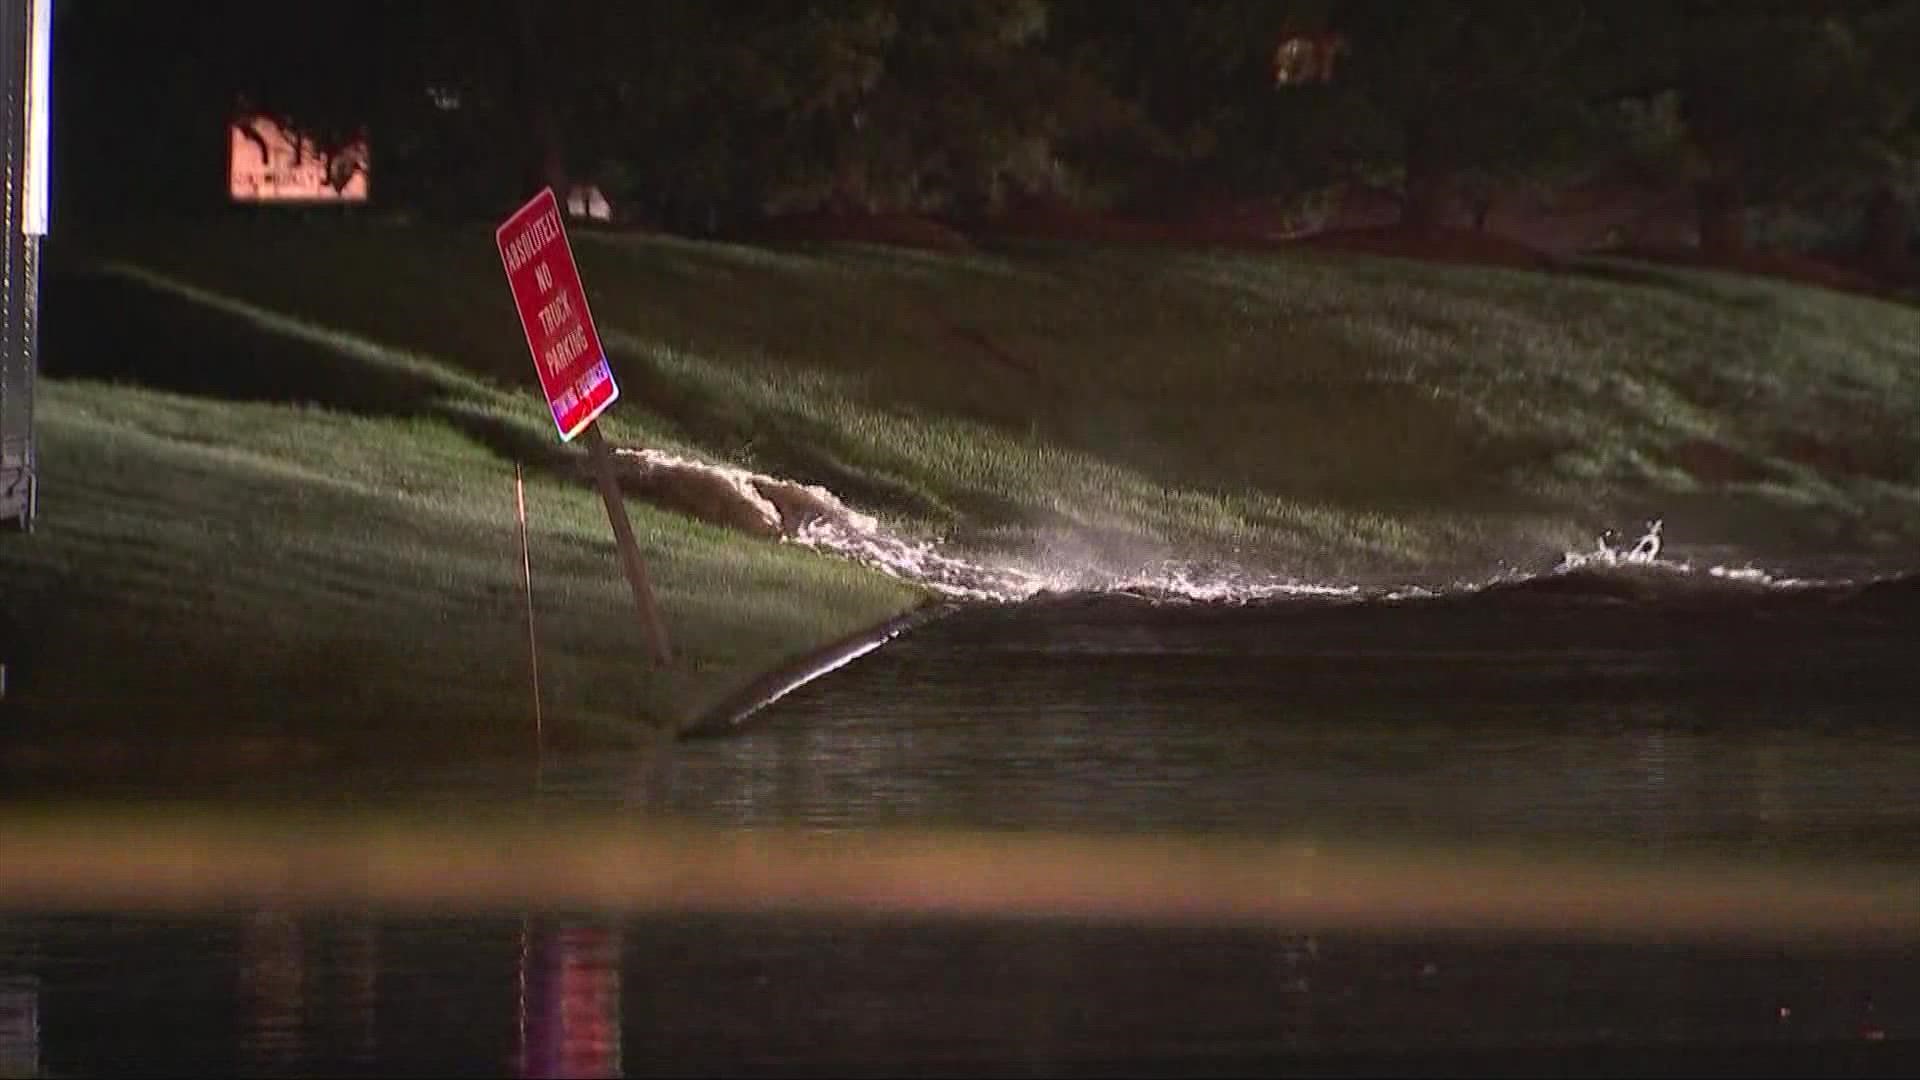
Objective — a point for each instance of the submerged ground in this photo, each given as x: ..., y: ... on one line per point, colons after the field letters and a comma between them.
x: 278, y: 456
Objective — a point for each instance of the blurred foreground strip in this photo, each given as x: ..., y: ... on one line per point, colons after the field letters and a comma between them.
x: 104, y: 862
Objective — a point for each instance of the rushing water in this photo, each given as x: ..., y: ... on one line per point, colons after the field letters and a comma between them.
x: 1677, y: 717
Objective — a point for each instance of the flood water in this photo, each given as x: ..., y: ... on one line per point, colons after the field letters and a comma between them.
x: 1675, y: 721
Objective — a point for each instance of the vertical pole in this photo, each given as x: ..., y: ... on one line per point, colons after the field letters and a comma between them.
x: 526, y: 578
x: 25, y: 29
x: 636, y: 570
x: 553, y: 169
x: 524, y: 1058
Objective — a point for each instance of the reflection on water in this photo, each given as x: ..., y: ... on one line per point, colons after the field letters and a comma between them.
x: 272, y: 997
x: 19, y: 1026
x: 1603, y: 773
x: 1725, y: 722
x: 306, y: 989
x: 762, y: 993
x: 1763, y: 735
x: 569, y: 1000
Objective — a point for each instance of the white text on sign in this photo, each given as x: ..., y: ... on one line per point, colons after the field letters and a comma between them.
x: 565, y: 351
x: 556, y: 314
x: 544, y: 230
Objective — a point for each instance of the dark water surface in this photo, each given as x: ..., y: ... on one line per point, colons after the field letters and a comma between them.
x: 1676, y: 719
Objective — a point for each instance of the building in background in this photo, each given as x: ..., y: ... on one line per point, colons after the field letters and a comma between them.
x: 586, y: 202
x: 26, y: 31
x: 270, y: 163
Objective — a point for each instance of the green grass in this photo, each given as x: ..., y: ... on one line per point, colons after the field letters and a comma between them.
x: 1324, y: 414
x: 206, y: 565
x: 278, y: 455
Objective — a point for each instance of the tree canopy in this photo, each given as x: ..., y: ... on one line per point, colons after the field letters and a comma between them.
x: 700, y: 115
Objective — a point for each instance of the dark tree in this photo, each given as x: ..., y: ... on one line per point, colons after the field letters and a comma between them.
x: 1443, y: 94
x: 1434, y: 99
x: 1759, y: 104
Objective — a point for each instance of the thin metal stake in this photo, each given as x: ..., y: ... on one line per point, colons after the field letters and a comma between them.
x: 526, y: 573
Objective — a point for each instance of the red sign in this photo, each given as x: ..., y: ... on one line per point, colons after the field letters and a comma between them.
x: 553, y: 311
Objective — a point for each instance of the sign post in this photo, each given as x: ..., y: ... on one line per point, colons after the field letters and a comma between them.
x: 573, y: 371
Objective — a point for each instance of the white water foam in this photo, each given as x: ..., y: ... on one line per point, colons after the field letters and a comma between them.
x: 1753, y: 575
x: 924, y: 563
x: 1179, y: 581
x: 1644, y: 552
x: 919, y: 562
x: 1644, y: 555
x: 861, y: 538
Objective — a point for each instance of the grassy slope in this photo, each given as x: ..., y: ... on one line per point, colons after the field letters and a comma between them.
x: 223, y: 560
x: 1327, y: 414
x: 1068, y: 407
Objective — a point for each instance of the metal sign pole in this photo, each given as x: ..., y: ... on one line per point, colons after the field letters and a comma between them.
x: 526, y: 579
x: 609, y: 485
x: 574, y: 373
